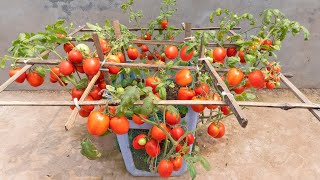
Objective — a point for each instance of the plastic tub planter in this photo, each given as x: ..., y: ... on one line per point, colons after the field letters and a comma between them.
x: 191, y: 120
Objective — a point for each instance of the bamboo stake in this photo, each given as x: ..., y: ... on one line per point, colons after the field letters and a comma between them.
x: 300, y: 95
x: 194, y: 29
x: 70, y: 123
x: 72, y: 118
x: 227, y: 95
x: 282, y: 105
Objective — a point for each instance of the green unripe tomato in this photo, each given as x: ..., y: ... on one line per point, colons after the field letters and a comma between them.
x: 83, y: 48
x: 120, y: 90
x: 142, y: 141
x: 277, y: 84
x: 195, y: 53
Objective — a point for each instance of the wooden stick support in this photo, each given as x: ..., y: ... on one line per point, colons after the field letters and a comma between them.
x: 70, y: 123
x: 282, y: 105
x: 228, y: 97
x: 300, y: 95
x: 72, y: 118
x: 100, y: 55
x: 117, y: 31
x: 157, y: 29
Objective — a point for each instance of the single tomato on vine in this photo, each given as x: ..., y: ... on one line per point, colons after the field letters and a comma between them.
x: 21, y: 78
x: 183, y: 77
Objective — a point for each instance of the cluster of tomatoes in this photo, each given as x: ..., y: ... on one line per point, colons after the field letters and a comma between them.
x: 152, y: 142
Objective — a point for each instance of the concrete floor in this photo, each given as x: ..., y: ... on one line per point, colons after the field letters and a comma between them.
x: 276, y: 144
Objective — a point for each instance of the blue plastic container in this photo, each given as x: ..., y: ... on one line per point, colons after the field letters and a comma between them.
x: 191, y: 119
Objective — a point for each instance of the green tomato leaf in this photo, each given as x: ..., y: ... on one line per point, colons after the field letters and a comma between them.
x: 3, y: 63
x: 82, y: 84
x: 192, y: 170
x: 250, y: 58
x: 89, y: 150
x: 306, y: 33
x: 232, y: 61
x: 163, y: 92
x: 41, y: 71
x: 218, y: 11
x: 205, y: 164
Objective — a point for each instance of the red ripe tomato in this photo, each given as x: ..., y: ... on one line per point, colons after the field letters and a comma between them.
x: 190, y: 139
x: 152, y: 148
x: 239, y: 90
x: 91, y: 66
x: 157, y: 133
x: 82, y: 112
x: 80, y: 69
x: 185, y: 94
x: 177, y: 163
x: 234, y: 76
x: 121, y: 57
x: 133, y: 53
x: 143, y: 55
x: 102, y: 85
x: 247, y: 85
x: 104, y: 46
x: 112, y: 110
x: 119, y: 125
x: 213, y: 130
x: 225, y: 110
x: 140, y: 138
x: 203, y: 89
x: 149, y: 56
x: 144, y: 48
x: 152, y: 82
x: 165, y: 168
x: 34, y: 79
x: 113, y: 69
x: 267, y: 43
x: 75, y: 93
x: 88, y: 108
x: 221, y: 130
x: 52, y: 80
x: 241, y: 56
x: 147, y: 36
x: 21, y: 78
x: 98, y: 123
x: 198, y: 108
x: 68, y: 46
x: 95, y: 93
x: 256, y: 79
x: 136, y: 119
x: 270, y: 85
x: 75, y: 56
x: 183, y: 77
x: 177, y: 132
x: 172, y: 118
x: 183, y: 54
x: 164, y: 24
x: 66, y: 68
x: 214, y: 97
x: 182, y: 150
x: 219, y: 54
x: 139, y: 44
x: 171, y: 52
x: 54, y: 73
x: 231, y: 51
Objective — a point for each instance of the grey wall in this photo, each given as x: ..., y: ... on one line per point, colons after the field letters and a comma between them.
x: 297, y: 57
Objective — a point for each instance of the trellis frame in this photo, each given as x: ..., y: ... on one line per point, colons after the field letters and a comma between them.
x: 229, y: 99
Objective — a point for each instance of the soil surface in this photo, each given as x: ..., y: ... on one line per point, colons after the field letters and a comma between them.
x: 276, y: 144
